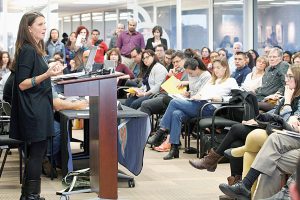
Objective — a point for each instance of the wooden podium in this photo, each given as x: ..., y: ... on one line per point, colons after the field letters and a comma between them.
x: 102, y: 91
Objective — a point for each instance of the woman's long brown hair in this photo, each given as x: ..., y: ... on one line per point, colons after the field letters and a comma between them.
x: 25, y: 37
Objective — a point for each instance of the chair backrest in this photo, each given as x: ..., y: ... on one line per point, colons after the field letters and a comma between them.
x: 5, y: 112
x: 6, y: 108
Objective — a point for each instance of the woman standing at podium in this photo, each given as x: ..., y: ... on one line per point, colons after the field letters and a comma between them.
x: 32, y: 110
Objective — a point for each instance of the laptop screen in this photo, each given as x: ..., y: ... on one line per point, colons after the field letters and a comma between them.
x: 110, y: 64
x: 90, y: 62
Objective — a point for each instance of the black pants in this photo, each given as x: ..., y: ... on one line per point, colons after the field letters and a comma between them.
x: 236, y: 137
x: 157, y: 105
x: 36, y: 152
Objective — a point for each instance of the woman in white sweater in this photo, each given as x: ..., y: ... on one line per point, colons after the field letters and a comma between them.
x: 179, y: 110
x: 154, y: 76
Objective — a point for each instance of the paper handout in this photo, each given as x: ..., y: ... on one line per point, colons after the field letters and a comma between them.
x: 170, y: 86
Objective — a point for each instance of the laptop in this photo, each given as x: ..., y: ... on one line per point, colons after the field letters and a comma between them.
x: 88, y: 67
x: 110, y: 65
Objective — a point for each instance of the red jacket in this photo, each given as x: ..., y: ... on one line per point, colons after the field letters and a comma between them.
x: 102, y: 49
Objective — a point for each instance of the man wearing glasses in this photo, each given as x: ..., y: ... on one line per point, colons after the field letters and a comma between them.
x: 273, y: 81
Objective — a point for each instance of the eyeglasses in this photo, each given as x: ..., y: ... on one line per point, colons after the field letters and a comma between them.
x: 176, y: 61
x: 273, y: 57
x: 146, y: 58
x: 289, y: 77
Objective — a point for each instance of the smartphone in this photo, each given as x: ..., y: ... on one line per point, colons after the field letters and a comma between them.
x: 78, y: 42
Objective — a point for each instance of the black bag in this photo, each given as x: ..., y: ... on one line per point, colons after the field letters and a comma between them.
x: 270, y: 121
x: 246, y: 99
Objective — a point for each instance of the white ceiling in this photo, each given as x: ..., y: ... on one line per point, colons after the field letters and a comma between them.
x: 69, y: 7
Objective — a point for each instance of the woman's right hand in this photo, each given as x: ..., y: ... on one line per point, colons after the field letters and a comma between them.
x: 72, y: 64
x: 54, y: 69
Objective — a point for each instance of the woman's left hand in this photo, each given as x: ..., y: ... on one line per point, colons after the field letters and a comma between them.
x: 288, y: 94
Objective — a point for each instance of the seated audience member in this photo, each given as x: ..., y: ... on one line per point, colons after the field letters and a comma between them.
x: 249, y: 60
x: 160, y: 53
x: 213, y: 56
x: 168, y: 59
x: 267, y: 49
x: 296, y: 58
x: 114, y: 54
x: 205, y: 53
x: 180, y: 110
x: 5, y: 68
x: 152, y: 79
x: 198, y: 76
x: 58, y: 105
x: 279, y: 155
x: 239, y: 132
x: 223, y: 53
x: 156, y: 39
x: 237, y: 47
x: 295, y: 187
x: 254, y: 55
x: 287, y: 57
x: 242, y: 70
x: 273, y: 81
x: 136, y: 56
x: 189, y: 53
x: 254, y: 79
x: 5, y: 63
x: 7, y: 88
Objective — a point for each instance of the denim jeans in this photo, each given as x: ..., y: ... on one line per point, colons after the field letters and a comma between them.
x: 179, y: 111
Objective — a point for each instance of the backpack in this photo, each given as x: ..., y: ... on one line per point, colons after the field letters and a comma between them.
x: 77, y: 180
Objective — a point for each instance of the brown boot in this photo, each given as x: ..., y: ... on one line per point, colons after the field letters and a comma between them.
x: 234, y: 179
x: 209, y: 162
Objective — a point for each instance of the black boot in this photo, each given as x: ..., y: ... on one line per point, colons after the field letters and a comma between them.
x: 33, y: 190
x: 174, y: 152
x: 23, y: 194
x: 158, y: 137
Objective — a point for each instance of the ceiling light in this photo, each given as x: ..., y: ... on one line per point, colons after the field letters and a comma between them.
x: 229, y: 3
x: 287, y: 3
x: 93, y: 2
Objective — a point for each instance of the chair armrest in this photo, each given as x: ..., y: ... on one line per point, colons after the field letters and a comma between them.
x: 122, y: 88
x: 210, y: 103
